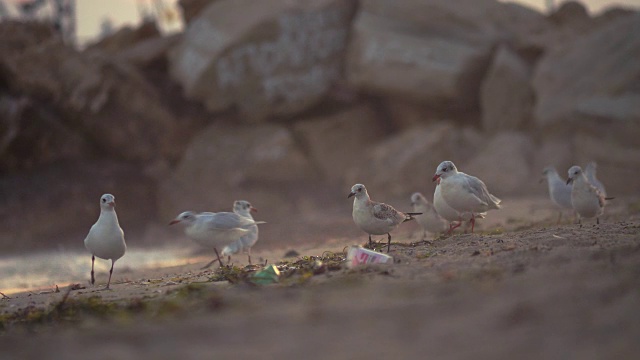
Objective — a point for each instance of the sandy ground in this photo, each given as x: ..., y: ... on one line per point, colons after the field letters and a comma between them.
x: 524, y: 288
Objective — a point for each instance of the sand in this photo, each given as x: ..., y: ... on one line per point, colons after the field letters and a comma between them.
x: 529, y: 289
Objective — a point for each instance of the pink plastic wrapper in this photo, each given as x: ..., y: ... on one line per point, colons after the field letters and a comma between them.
x: 358, y: 255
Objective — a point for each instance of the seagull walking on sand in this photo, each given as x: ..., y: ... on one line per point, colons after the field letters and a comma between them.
x: 464, y: 193
x: 215, y: 229
x: 243, y: 208
x: 375, y: 218
x: 449, y: 213
x: 106, y: 238
x: 590, y: 171
x: 559, y: 190
x: 586, y: 199
x: 429, y: 220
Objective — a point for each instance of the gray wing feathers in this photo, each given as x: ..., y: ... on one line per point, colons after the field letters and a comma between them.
x: 479, y: 189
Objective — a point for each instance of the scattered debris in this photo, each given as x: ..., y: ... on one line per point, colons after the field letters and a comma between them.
x: 291, y: 253
x: 358, y: 255
x: 4, y: 296
x: 268, y: 275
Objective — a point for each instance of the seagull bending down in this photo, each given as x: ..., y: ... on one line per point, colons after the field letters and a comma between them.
x: 464, y: 193
x: 375, y: 218
x: 586, y: 199
x: 215, y: 229
x: 106, y: 238
x: 243, y: 208
x: 430, y: 220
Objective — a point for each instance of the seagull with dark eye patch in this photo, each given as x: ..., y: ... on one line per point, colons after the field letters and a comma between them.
x: 586, y: 199
x: 106, y: 238
x: 215, y: 229
x: 464, y: 193
x: 376, y: 218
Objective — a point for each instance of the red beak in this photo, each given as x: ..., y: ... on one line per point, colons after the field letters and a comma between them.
x: 435, y: 177
x: 174, y: 221
x: 252, y: 209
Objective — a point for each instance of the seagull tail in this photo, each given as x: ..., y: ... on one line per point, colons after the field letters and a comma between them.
x: 410, y: 216
x: 259, y: 222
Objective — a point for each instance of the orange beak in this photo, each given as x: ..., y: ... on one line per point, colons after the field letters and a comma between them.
x: 174, y: 221
x: 435, y: 177
x: 252, y: 209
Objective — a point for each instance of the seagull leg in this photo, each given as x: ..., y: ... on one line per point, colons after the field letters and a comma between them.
x: 110, y: 272
x: 93, y: 260
x: 473, y: 222
x: 218, y: 256
x: 370, y: 246
x: 249, y: 255
x: 228, y: 259
x: 389, y: 243
x: 598, y: 220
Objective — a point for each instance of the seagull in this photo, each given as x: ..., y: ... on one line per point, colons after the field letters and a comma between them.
x: 243, y: 208
x: 429, y: 220
x: 559, y: 190
x: 448, y: 213
x: 373, y: 217
x: 464, y: 193
x: 590, y: 172
x: 586, y: 199
x: 106, y: 238
x: 215, y: 229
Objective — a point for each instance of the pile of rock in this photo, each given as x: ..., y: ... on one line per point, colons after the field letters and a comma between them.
x: 266, y: 100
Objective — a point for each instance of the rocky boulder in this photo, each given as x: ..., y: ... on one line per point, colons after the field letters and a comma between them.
x: 262, y: 164
x: 109, y: 102
x: 405, y: 162
x: 506, y: 94
x: 593, y: 82
x: 505, y: 164
x: 435, y: 52
x: 338, y: 142
x: 272, y: 57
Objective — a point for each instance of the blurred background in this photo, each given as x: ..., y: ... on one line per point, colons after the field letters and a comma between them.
x: 192, y: 104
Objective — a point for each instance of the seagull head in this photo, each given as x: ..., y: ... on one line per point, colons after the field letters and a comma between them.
x: 186, y: 217
x: 243, y: 207
x: 417, y: 198
x: 107, y: 201
x: 549, y: 170
x: 444, y: 170
x: 357, y: 190
x: 574, y: 172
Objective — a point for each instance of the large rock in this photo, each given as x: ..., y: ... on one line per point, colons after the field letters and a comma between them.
x: 262, y: 164
x: 434, y: 51
x: 406, y: 162
x: 272, y: 57
x: 54, y: 206
x: 593, y: 82
x: 504, y: 164
x: 618, y: 166
x: 109, y: 102
x: 506, y: 94
x: 337, y: 142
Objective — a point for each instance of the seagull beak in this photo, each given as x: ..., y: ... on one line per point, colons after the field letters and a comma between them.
x: 435, y: 177
x: 569, y: 181
x: 541, y: 180
x: 112, y: 204
x: 252, y: 209
x: 351, y: 194
x: 174, y: 221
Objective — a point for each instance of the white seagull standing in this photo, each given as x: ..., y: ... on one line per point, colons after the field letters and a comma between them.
x: 375, y: 218
x: 587, y: 200
x: 590, y: 171
x: 559, y: 190
x: 449, y: 213
x: 215, y: 229
x: 106, y: 239
x: 464, y: 193
x: 429, y: 220
x: 243, y: 208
